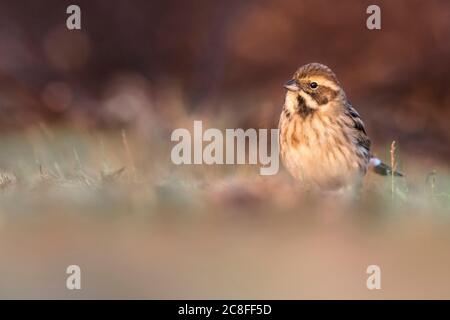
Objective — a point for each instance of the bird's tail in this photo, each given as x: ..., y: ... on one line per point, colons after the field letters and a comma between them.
x: 382, y: 169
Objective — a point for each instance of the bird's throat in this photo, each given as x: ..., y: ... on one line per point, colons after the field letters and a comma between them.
x: 303, y: 109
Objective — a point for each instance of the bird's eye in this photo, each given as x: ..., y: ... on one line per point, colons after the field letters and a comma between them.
x: 313, y: 85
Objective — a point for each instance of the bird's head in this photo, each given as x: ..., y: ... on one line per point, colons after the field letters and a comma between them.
x: 313, y: 86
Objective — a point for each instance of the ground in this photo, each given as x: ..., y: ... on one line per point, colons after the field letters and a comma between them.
x: 141, y: 227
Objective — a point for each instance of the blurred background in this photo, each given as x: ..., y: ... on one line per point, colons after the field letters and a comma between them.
x: 85, y: 144
x: 130, y: 63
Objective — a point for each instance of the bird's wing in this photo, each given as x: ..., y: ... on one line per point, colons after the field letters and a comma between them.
x: 361, y: 134
x: 363, y: 140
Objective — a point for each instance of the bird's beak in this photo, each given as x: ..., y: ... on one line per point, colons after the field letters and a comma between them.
x: 292, y: 85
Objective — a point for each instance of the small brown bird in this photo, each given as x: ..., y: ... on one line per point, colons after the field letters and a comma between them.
x: 323, y: 141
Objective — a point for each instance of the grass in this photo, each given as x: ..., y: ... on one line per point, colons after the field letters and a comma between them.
x: 47, y: 159
x: 394, y: 168
x: 86, y: 166
x: 139, y: 226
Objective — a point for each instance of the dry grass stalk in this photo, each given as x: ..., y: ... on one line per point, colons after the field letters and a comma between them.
x: 129, y: 156
x: 394, y: 168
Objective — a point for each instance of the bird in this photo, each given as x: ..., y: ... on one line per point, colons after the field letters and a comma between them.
x: 322, y: 138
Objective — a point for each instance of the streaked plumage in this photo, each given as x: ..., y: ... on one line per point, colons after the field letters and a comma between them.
x: 323, y: 141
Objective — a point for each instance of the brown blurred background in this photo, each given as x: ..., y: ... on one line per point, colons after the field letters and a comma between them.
x: 132, y: 60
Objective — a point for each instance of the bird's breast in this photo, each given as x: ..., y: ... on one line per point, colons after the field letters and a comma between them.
x: 318, y: 149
